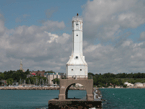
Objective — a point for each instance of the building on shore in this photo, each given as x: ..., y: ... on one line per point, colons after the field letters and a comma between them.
x: 49, y: 76
x: 128, y: 84
x: 138, y: 84
x: 3, y: 82
x: 135, y: 85
x: 36, y: 73
x: 52, y: 76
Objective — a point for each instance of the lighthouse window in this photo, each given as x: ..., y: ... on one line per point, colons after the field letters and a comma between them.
x: 71, y: 69
x: 77, y: 35
x: 76, y: 57
x: 80, y: 69
x: 77, y: 24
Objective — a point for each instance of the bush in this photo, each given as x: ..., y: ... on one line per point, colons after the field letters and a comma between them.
x: 124, y: 86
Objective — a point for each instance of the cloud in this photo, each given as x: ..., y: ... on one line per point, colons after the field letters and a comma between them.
x: 52, y: 25
x: 36, y: 45
x: 25, y: 15
x: 2, y: 28
x: 2, y: 17
x: 107, y: 20
x: 128, y: 57
x: 22, y: 18
x: 41, y: 49
x: 53, y: 37
x: 49, y: 12
x: 142, y: 36
x: 29, y: 39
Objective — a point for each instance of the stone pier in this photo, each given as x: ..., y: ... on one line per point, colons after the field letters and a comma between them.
x: 66, y: 83
x: 63, y: 102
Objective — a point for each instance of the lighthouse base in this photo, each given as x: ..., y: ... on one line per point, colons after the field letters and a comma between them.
x: 65, y: 84
x: 74, y: 104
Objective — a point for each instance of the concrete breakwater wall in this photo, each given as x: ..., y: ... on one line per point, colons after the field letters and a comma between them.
x: 78, y: 103
x: 37, y: 88
x: 74, y: 104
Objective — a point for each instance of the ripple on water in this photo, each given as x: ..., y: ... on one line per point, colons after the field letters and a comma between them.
x: 128, y: 98
x: 32, y: 99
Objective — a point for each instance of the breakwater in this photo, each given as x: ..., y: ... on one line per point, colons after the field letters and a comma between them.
x: 77, y: 103
x: 74, y: 104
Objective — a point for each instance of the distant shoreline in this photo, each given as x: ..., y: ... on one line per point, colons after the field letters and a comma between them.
x: 57, y: 88
x: 38, y: 88
x: 123, y: 88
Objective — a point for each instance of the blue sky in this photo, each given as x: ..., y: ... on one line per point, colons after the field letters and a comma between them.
x: 39, y: 32
x: 32, y: 12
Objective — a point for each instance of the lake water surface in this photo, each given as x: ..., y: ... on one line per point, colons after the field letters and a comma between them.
x: 32, y: 99
x: 123, y: 98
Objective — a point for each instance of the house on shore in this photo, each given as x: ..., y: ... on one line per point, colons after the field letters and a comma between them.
x: 129, y: 84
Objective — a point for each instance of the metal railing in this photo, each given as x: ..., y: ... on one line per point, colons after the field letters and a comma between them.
x: 77, y: 76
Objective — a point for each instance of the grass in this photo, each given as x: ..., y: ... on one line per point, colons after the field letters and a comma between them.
x: 132, y: 80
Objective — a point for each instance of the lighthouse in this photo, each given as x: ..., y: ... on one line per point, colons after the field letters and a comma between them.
x: 77, y: 67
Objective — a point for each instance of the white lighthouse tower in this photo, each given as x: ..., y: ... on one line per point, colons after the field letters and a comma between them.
x: 77, y: 67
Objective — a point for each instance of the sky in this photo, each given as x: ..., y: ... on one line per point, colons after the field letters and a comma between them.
x: 40, y: 33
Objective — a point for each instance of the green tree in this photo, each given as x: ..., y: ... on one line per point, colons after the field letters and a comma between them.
x: 56, y: 80
x: 0, y: 83
x: 10, y: 81
x: 90, y: 75
x: 27, y: 72
x: 124, y: 86
x: 1, y: 76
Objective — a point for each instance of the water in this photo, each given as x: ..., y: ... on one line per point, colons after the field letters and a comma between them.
x: 123, y: 98
x: 32, y: 99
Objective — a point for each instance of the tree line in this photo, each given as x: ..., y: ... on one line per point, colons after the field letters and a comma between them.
x: 21, y: 77
x: 110, y: 79
x: 105, y: 80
